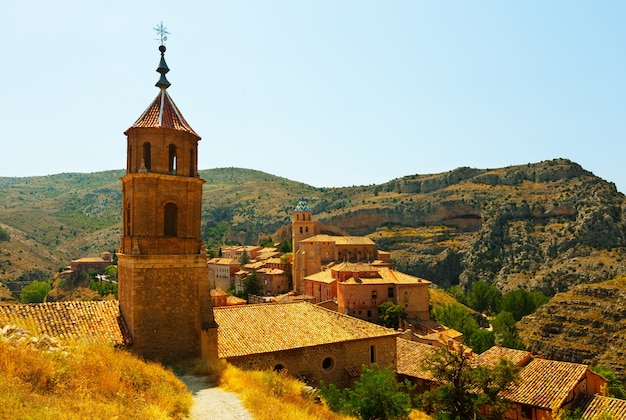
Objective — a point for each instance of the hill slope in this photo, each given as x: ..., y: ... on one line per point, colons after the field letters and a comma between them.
x: 549, y: 225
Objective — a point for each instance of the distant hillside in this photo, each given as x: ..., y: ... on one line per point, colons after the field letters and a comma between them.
x: 585, y: 325
x: 548, y: 225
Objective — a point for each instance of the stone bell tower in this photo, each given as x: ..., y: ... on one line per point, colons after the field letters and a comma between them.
x: 163, y: 276
x: 302, y: 227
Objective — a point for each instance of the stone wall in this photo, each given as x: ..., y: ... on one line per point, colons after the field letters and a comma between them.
x: 325, y: 362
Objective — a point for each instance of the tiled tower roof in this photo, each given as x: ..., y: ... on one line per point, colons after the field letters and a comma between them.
x: 163, y: 112
x: 302, y: 206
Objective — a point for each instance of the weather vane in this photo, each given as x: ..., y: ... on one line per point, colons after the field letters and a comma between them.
x: 162, y: 32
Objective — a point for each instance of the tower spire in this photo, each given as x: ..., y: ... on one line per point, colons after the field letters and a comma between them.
x: 163, y: 83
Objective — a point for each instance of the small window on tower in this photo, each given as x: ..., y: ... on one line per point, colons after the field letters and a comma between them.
x: 171, y: 220
x: 172, y: 160
x: 147, y: 156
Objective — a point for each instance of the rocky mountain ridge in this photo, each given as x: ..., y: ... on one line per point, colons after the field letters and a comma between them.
x: 549, y: 225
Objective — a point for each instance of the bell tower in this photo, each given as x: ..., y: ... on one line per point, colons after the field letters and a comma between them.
x: 302, y: 227
x: 163, y: 275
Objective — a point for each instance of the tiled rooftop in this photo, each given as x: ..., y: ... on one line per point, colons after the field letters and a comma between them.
x: 411, y: 356
x: 546, y: 383
x: 253, y: 329
x: 340, y: 240
x: 492, y: 356
x: 593, y: 406
x: 73, y: 320
x: 163, y: 113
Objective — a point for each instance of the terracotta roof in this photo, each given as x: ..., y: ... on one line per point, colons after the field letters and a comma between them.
x: 411, y: 356
x: 71, y: 320
x: 341, y: 240
x: 163, y: 113
x: 218, y: 291
x: 322, y: 277
x: 593, y: 406
x: 223, y: 261
x: 492, y: 356
x: 546, y: 383
x: 264, y: 328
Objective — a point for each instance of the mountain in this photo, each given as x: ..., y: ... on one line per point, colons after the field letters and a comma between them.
x: 549, y: 225
x: 584, y: 325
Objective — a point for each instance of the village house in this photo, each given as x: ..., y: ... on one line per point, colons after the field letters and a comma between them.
x: 91, y: 264
x: 359, y: 288
x: 222, y: 272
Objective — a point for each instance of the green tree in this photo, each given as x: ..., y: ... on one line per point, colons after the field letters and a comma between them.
x: 390, y: 314
x: 615, y: 388
x: 4, y: 235
x: 245, y: 258
x: 35, y: 292
x: 268, y: 243
x: 521, y: 303
x: 458, y: 293
x: 456, y: 316
x: 251, y: 285
x: 504, y: 326
x: 285, y: 246
x: 376, y: 395
x: 111, y: 271
x: 463, y: 390
x: 483, y: 297
x: 482, y: 340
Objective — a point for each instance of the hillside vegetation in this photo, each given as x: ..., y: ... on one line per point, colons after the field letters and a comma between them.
x: 41, y: 378
x: 548, y: 226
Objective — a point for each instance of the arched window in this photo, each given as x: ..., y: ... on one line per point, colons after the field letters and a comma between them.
x: 127, y: 220
x: 170, y: 220
x: 192, y: 163
x: 147, y: 155
x: 172, y: 160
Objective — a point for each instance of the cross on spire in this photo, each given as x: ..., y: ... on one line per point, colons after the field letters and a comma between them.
x: 162, y: 32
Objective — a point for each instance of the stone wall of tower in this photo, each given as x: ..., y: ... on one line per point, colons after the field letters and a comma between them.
x: 302, y: 227
x: 164, y: 301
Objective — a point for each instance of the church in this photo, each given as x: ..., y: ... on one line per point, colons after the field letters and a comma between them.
x: 164, y: 312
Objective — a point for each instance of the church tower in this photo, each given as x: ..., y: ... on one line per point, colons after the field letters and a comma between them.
x: 302, y: 227
x: 163, y: 274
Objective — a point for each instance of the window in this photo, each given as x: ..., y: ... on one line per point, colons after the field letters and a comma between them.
x: 127, y: 221
x: 328, y: 364
x: 192, y: 163
x: 170, y: 220
x: 372, y: 354
x: 147, y: 156
x: 172, y: 160
x: 369, y: 314
x: 300, y: 229
x: 527, y: 412
x: 279, y: 367
x: 390, y: 292
x: 373, y: 294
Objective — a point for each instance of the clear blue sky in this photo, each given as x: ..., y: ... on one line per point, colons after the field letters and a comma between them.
x: 330, y: 93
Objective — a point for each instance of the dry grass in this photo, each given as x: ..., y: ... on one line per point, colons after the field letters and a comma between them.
x: 86, y: 381
x: 269, y: 395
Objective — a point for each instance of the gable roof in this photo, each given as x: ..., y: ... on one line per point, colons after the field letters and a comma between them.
x: 593, y: 406
x: 492, y: 356
x: 71, y: 320
x: 264, y: 328
x: 546, y: 383
x: 411, y: 356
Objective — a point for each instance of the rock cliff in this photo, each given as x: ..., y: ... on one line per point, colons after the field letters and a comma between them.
x: 584, y: 325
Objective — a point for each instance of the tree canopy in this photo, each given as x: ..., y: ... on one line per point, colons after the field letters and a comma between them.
x: 463, y: 389
x: 390, y: 314
x: 376, y: 395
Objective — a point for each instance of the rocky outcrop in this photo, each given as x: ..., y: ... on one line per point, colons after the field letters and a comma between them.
x: 584, y: 325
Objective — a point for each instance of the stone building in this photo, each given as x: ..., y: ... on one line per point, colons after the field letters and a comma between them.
x: 162, y: 272
x: 359, y: 288
x: 308, y: 341
x: 222, y: 272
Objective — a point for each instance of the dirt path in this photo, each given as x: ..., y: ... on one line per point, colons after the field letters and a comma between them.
x: 211, y: 402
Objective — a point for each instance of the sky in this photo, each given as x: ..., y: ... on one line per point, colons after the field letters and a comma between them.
x: 329, y: 93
